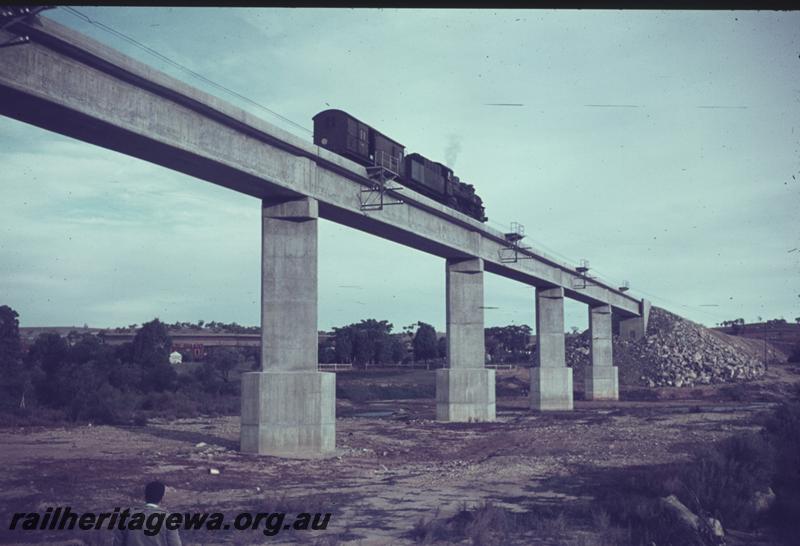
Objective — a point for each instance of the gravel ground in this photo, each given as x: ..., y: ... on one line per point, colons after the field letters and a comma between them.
x: 387, y: 474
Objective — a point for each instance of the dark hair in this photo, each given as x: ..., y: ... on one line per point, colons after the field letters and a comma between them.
x: 154, y: 492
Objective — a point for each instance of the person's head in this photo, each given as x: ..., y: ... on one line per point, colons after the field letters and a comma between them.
x: 154, y: 492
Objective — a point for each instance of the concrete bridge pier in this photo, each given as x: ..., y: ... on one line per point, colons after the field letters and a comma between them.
x: 602, y: 377
x: 288, y: 408
x: 465, y: 390
x: 551, y: 379
x: 636, y: 327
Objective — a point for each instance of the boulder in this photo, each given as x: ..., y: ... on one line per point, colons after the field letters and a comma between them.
x: 762, y: 500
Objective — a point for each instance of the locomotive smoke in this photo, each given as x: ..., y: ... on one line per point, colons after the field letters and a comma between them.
x: 452, y: 150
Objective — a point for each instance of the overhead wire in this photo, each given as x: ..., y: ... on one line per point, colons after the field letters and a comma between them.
x: 103, y: 26
x: 609, y: 279
x: 181, y: 67
x: 502, y: 226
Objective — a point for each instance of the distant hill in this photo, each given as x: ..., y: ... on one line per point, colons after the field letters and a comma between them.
x: 784, y: 336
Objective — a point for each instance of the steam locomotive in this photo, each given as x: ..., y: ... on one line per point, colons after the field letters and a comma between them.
x: 345, y: 135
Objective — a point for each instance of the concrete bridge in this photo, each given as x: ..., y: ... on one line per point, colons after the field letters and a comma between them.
x: 65, y: 82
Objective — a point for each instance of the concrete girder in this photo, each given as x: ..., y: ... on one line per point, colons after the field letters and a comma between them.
x: 65, y: 82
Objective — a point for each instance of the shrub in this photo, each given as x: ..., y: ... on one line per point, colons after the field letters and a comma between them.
x: 783, y: 430
x: 632, y: 503
x: 187, y: 404
x: 723, y: 479
x: 32, y: 416
x: 103, y: 404
x: 159, y: 377
x: 427, y: 531
x: 169, y: 405
x: 489, y: 525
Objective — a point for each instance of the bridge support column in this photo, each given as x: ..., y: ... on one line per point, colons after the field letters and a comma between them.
x: 636, y: 327
x: 602, y: 378
x: 288, y: 408
x: 551, y: 379
x: 465, y: 390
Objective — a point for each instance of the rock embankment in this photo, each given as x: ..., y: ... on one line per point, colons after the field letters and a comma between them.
x: 676, y: 352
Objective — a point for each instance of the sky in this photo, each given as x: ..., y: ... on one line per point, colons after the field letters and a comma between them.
x: 664, y: 147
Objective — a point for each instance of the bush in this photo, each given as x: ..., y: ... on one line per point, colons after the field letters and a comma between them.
x: 216, y: 375
x: 187, y: 404
x: 724, y: 479
x: 32, y: 417
x: 105, y: 404
x: 783, y: 430
x: 169, y: 405
x: 159, y: 378
x: 633, y: 503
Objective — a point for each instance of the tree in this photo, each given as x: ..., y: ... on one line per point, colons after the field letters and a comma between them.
x: 326, y: 352
x: 49, y: 351
x: 492, y: 344
x: 86, y: 347
x: 363, y: 347
x: 15, y: 377
x: 441, y: 347
x: 383, y: 349
x: 343, y: 348
x: 71, y: 375
x: 736, y: 325
x: 398, y: 349
x: 215, y: 374
x: 224, y: 360
x: 72, y: 337
x: 151, y: 348
x: 152, y: 344
x: 367, y: 342
x: 10, y: 346
x: 425, y: 342
x: 510, y: 342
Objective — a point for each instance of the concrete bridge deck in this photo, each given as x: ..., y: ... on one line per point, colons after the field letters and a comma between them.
x: 65, y: 82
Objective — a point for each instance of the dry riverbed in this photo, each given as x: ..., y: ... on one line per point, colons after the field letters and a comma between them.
x: 394, y: 467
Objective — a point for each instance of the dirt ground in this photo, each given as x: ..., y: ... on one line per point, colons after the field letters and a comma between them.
x: 394, y: 465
